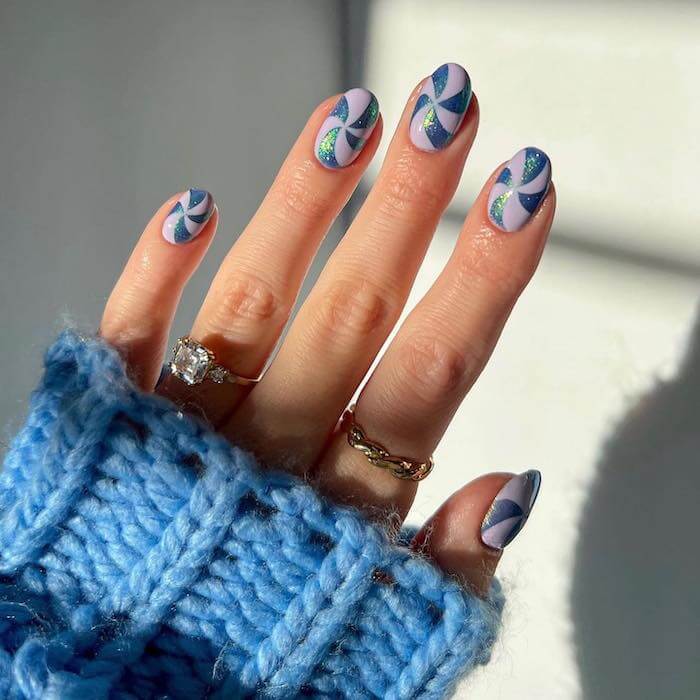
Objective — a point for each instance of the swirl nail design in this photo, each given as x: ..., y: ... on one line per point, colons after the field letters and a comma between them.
x: 510, y: 509
x: 187, y: 218
x: 346, y: 129
x: 519, y: 189
x: 440, y: 107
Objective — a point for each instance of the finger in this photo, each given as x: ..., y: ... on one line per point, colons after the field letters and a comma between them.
x: 361, y: 292
x: 140, y: 309
x: 251, y: 297
x: 467, y: 534
x: 443, y: 345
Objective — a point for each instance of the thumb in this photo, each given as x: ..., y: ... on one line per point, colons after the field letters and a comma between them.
x: 467, y: 534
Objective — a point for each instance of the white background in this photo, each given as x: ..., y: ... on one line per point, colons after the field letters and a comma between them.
x: 587, y: 382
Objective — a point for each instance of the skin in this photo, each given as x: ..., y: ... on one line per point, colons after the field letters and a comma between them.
x: 437, y: 354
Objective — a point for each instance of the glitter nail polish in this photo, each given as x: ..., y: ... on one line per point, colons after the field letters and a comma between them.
x: 188, y: 216
x: 440, y: 107
x: 519, y: 189
x: 345, y: 131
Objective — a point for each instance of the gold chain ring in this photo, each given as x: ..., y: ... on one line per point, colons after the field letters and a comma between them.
x: 400, y: 467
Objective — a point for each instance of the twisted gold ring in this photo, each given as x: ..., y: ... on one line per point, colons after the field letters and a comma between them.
x: 400, y: 467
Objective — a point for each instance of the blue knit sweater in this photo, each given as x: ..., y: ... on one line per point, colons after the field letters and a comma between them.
x: 143, y: 556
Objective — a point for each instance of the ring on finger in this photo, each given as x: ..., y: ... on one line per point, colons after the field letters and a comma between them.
x: 379, y: 456
x: 193, y: 362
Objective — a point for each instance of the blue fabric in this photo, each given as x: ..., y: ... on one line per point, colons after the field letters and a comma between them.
x: 143, y: 556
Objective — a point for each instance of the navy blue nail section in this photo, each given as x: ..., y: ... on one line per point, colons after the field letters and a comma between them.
x: 346, y: 129
x: 440, y: 107
x: 188, y: 217
x: 510, y: 509
x: 519, y: 189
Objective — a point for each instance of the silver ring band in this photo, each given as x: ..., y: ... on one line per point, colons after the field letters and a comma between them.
x: 194, y: 363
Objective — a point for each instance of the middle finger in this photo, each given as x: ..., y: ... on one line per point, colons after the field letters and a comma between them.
x: 363, y: 288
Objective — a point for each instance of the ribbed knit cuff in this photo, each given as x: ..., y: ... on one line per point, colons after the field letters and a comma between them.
x: 142, y: 556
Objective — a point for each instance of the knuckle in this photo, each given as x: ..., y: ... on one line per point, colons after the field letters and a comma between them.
x: 355, y: 308
x: 483, y: 266
x: 433, y: 368
x: 407, y: 189
x: 247, y: 301
x: 299, y: 199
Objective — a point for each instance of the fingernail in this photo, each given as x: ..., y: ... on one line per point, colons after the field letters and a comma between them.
x: 346, y: 129
x: 519, y: 189
x: 510, y: 509
x: 188, y: 217
x: 440, y: 107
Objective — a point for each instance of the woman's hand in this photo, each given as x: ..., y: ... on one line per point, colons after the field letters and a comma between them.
x: 290, y: 419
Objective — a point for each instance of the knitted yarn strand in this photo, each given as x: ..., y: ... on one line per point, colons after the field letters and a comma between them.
x: 143, y: 556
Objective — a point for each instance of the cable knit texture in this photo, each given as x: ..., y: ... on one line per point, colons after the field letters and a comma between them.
x: 143, y: 556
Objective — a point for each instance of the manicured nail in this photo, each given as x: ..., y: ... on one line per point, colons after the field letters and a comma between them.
x: 519, y: 189
x: 187, y: 218
x: 346, y: 129
x: 440, y: 107
x: 510, y: 509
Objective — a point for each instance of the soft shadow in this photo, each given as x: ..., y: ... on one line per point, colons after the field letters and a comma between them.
x: 636, y: 590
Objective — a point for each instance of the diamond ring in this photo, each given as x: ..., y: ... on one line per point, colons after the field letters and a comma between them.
x: 192, y: 362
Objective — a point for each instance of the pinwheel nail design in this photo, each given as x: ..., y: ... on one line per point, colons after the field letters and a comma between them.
x: 510, y: 509
x: 440, y: 107
x: 347, y: 128
x: 187, y: 218
x: 519, y: 189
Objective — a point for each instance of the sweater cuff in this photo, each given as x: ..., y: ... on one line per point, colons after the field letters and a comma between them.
x: 142, y: 555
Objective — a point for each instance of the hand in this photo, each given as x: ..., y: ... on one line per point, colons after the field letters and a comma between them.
x: 290, y: 418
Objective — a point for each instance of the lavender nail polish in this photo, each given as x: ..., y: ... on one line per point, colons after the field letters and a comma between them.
x: 510, y: 509
x: 346, y: 129
x: 440, y: 107
x: 519, y: 189
x: 188, y: 217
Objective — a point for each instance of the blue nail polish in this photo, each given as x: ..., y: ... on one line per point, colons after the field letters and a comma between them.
x: 440, y: 107
x: 188, y: 217
x: 519, y: 189
x: 510, y: 509
x: 346, y: 129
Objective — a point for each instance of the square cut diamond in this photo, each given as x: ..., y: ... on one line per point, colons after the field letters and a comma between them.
x: 190, y: 362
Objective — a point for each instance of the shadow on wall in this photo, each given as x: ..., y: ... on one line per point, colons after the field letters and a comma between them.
x: 636, y: 589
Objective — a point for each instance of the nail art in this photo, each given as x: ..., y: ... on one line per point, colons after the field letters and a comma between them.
x: 346, y: 129
x: 440, y: 107
x: 510, y: 509
x: 187, y: 218
x: 519, y: 189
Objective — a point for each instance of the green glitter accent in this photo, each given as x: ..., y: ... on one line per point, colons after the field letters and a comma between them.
x: 499, y: 205
x: 373, y: 111
x: 430, y: 118
x: 326, y: 149
x: 532, y: 165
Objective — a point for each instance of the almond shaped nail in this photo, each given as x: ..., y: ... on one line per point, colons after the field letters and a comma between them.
x: 346, y: 129
x: 510, y: 509
x: 519, y: 189
x: 188, y: 216
x: 440, y: 107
